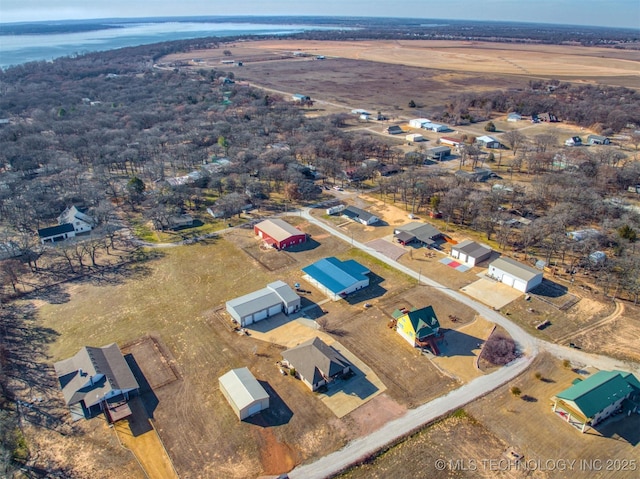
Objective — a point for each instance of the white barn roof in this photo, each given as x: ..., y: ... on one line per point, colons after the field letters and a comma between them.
x: 242, y: 387
x: 275, y: 293
x: 515, y: 268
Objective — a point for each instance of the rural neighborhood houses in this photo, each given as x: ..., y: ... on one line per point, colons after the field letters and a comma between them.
x: 489, y: 142
x: 515, y: 274
x: 243, y: 392
x: 598, y: 140
x: 592, y: 400
x: 438, y: 153
x: 279, y: 234
x: 337, y: 278
x: 418, y: 327
x: 316, y: 363
x: 514, y: 116
x: 97, y: 379
x: 277, y: 297
x: 470, y: 253
x: 573, y: 141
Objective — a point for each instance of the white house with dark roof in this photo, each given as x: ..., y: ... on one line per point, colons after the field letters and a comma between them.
x: 359, y: 215
x: 316, y: 363
x: 81, y: 221
x: 470, y: 253
x: 243, y: 392
x: 515, y: 274
x: 277, y: 297
x: 97, y: 379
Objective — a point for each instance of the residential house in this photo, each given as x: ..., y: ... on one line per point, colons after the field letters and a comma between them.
x: 423, y: 233
x: 360, y: 215
x: 515, y: 274
x: 418, y: 327
x: 514, y: 116
x: 279, y: 234
x: 451, y: 141
x: 97, y: 379
x: 243, y: 392
x: 180, y: 221
x: 592, y: 400
x: 81, y: 221
x: 573, y: 141
x: 54, y: 234
x: 581, y: 235
x: 598, y: 140
x: 395, y: 130
x: 477, y: 175
x: 316, y: 363
x: 470, y: 253
x: 337, y: 278
x: 276, y: 298
x: 438, y: 153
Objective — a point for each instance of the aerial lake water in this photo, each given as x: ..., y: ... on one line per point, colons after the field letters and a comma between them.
x: 18, y: 49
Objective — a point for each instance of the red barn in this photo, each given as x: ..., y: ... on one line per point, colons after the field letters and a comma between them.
x: 279, y: 234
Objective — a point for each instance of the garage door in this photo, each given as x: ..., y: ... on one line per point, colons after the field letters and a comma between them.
x: 275, y: 309
x: 259, y: 315
x: 463, y: 257
x: 253, y: 409
x: 246, y: 321
x: 520, y: 285
x: 508, y: 280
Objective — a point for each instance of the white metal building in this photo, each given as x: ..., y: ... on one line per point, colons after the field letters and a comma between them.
x: 517, y: 275
x: 418, y: 122
x: 277, y: 297
x: 243, y: 392
x: 470, y: 253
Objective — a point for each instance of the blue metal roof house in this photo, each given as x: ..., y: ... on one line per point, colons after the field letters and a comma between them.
x: 337, y: 278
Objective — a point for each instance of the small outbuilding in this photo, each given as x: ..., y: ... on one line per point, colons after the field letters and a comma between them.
x: 395, y: 130
x: 279, y: 233
x: 54, y: 234
x: 277, y: 297
x: 243, y: 392
x: 337, y: 278
x: 489, y: 142
x: 414, y: 137
x: 470, y: 253
x: 418, y: 122
x: 573, y: 141
x: 514, y: 116
x: 515, y: 274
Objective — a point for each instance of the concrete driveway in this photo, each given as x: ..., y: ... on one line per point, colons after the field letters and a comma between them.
x: 490, y: 292
x: 343, y: 396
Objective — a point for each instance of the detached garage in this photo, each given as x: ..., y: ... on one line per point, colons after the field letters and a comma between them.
x: 470, y: 253
x: 517, y: 275
x: 279, y: 234
x: 243, y: 392
x: 277, y: 297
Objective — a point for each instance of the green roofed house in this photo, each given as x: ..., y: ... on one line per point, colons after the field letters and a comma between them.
x: 592, y: 400
x: 337, y: 278
x: 418, y: 327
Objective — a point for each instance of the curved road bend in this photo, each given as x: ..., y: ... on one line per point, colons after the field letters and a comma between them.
x: 361, y: 448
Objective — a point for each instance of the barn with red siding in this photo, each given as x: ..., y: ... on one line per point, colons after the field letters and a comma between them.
x: 279, y: 233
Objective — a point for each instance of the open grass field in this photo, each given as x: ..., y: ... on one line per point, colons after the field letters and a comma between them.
x: 385, y: 75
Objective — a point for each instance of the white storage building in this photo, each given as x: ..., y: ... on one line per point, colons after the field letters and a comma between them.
x: 243, y: 392
x: 415, y: 137
x: 470, y: 253
x: 277, y: 297
x: 515, y: 274
x: 418, y: 122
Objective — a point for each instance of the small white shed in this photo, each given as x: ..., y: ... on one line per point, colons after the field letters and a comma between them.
x: 243, y: 392
x: 415, y: 137
x: 515, y: 274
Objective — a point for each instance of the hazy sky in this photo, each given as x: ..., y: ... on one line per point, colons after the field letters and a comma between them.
x: 616, y: 13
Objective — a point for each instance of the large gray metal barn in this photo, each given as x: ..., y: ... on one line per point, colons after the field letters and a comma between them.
x: 277, y: 297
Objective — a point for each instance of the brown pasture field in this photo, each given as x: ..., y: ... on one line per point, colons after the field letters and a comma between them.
x: 385, y: 75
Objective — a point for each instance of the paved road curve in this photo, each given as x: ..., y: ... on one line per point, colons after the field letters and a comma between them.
x: 361, y: 448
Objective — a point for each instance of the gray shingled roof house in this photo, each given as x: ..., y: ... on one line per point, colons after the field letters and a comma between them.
x: 360, y: 215
x: 97, y: 379
x: 316, y: 363
x: 416, y: 231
